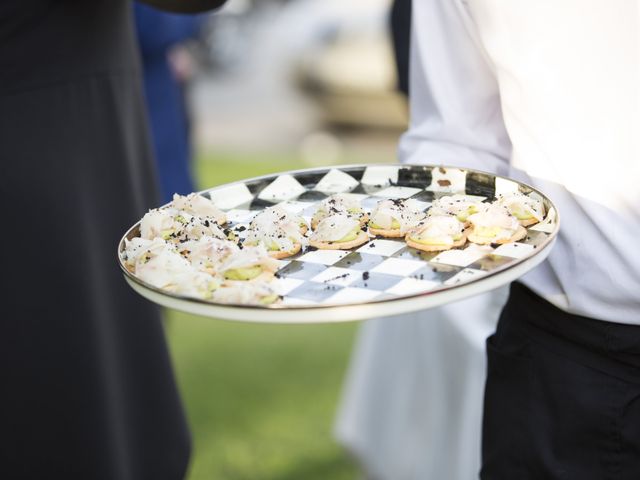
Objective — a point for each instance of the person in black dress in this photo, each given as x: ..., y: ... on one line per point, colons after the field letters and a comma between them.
x: 86, y: 390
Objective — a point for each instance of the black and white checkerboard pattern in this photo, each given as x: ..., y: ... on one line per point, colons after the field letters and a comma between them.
x: 383, y: 268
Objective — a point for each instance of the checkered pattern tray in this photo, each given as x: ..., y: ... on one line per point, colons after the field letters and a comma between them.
x: 384, y: 276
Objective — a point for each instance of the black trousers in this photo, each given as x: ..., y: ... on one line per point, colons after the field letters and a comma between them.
x: 562, y: 397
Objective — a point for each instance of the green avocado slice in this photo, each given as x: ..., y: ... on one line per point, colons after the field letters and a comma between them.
x: 268, y: 299
x: 521, y: 213
x: 487, y: 232
x: 248, y: 273
x: 395, y: 225
x: 464, y: 214
x: 352, y: 235
x: 430, y: 241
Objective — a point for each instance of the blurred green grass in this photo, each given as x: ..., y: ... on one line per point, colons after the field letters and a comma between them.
x: 260, y: 398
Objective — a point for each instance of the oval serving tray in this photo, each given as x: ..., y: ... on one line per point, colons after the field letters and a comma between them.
x: 383, y: 277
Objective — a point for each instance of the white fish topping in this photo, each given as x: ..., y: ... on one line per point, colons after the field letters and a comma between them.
x: 335, y: 227
x: 194, y: 284
x: 522, y: 206
x: 207, y: 253
x: 199, y: 205
x: 250, y: 257
x: 274, y: 239
x: 443, y: 228
x: 406, y: 212
x: 177, y: 225
x: 277, y: 215
x: 198, y: 228
x: 459, y: 205
x: 348, y: 203
x: 163, y: 267
x: 157, y: 221
x: 276, y: 227
x: 138, y: 246
x: 495, y: 222
x: 495, y: 216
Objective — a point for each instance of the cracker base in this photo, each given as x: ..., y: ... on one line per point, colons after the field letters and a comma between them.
x: 390, y: 233
x: 361, y: 239
x: 280, y: 254
x: 437, y: 248
x: 529, y: 222
x: 519, y: 235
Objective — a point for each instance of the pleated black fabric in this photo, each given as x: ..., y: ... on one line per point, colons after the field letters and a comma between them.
x: 562, y: 398
x: 86, y: 387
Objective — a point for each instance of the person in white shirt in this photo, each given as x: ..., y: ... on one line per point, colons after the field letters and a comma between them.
x: 411, y: 406
x: 548, y: 92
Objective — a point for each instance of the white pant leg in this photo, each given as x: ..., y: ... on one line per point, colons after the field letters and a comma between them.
x: 412, y: 402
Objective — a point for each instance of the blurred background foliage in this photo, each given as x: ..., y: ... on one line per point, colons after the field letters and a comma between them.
x: 260, y: 398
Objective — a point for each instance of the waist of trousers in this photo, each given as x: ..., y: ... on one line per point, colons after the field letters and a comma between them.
x: 606, y: 346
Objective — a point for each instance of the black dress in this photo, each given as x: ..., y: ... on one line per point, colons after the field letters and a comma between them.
x: 86, y: 387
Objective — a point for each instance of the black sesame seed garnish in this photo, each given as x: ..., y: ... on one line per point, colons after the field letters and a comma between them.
x: 344, y: 275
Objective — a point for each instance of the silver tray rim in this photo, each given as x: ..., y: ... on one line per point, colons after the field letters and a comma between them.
x: 491, y: 280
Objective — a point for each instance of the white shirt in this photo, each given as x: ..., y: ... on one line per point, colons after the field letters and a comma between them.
x: 546, y: 92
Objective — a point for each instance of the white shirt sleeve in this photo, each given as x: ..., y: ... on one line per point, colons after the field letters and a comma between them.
x: 455, y: 112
